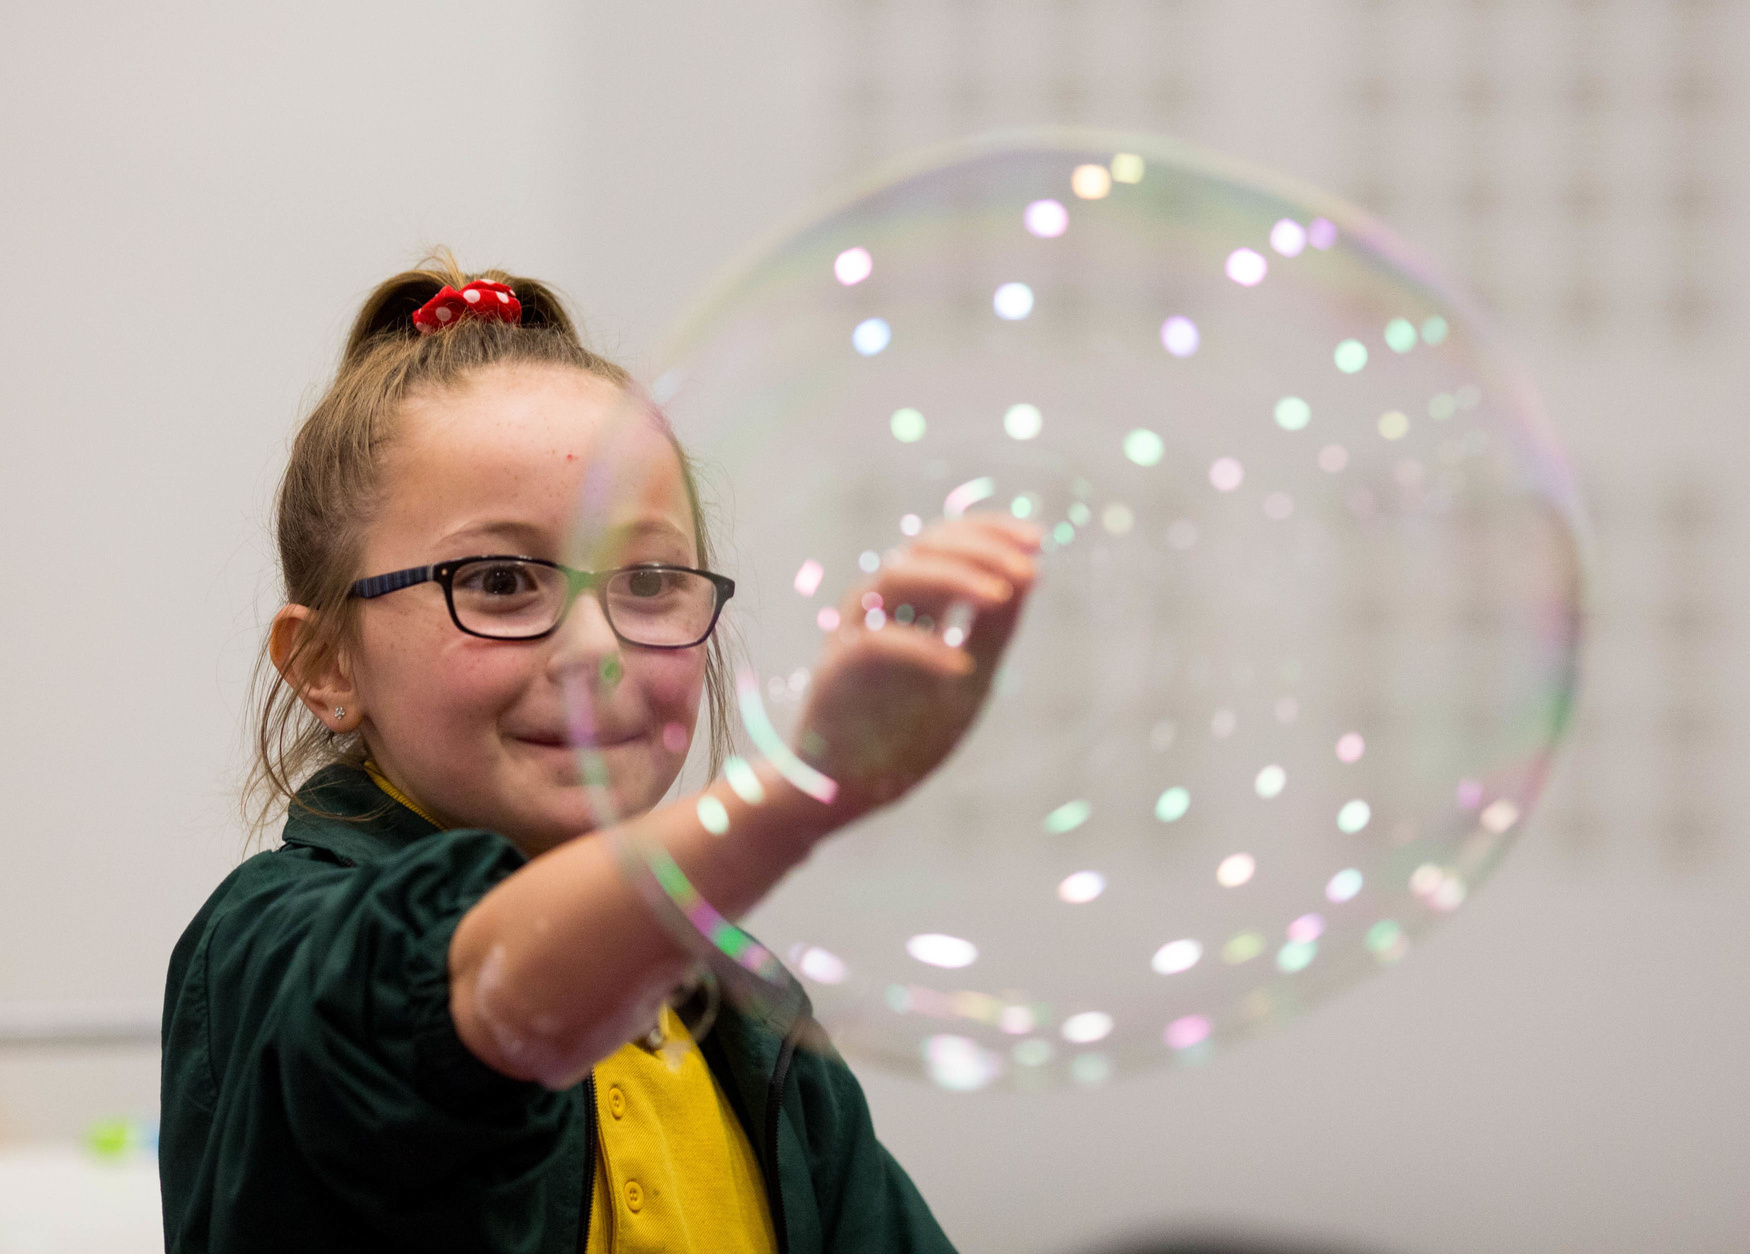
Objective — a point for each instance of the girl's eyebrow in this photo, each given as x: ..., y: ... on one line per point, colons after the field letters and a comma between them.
x: 654, y: 527
x: 526, y: 536
x: 529, y: 537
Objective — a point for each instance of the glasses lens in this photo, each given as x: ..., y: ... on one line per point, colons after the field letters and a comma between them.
x: 661, y: 607
x: 508, y: 598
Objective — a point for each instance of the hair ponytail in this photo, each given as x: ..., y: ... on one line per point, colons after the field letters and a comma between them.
x: 388, y: 310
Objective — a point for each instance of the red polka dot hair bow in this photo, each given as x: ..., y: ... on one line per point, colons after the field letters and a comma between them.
x: 479, y: 299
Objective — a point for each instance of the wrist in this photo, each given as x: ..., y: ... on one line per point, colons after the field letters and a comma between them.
x: 738, y: 837
x: 785, y: 817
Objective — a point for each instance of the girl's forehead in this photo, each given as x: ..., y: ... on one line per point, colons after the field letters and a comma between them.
x: 537, y: 444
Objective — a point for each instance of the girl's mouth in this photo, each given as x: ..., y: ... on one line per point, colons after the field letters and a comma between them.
x: 562, y: 741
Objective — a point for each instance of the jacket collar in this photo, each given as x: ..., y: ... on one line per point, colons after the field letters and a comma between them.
x: 341, y: 811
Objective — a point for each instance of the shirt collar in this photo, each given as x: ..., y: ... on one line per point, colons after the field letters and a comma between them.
x: 340, y: 810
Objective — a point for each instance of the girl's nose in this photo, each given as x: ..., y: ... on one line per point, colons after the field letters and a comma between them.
x: 585, y: 647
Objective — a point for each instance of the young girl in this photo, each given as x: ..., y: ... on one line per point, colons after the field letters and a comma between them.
x: 438, y: 1016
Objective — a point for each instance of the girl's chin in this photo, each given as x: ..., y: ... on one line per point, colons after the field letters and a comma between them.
x: 552, y: 795
x: 564, y: 811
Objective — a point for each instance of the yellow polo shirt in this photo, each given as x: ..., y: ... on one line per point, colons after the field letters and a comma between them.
x: 674, y: 1170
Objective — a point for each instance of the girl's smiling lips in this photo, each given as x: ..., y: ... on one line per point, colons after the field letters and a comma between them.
x: 550, y: 739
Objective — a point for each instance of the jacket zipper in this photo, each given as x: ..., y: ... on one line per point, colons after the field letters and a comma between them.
x: 774, y: 1107
x: 584, y: 1215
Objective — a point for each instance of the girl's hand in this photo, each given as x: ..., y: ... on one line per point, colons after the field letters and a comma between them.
x: 888, y: 703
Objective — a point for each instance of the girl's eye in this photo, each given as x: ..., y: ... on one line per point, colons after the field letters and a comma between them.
x: 500, y: 580
x: 647, y: 583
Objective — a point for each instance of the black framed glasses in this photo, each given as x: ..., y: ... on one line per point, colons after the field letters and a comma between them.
x: 652, y: 605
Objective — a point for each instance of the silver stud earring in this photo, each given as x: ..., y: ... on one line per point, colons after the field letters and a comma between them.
x: 339, y: 711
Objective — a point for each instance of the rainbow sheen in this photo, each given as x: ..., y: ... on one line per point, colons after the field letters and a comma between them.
x: 713, y: 815
x: 1247, y: 267
x: 1303, y: 640
x: 1236, y: 869
x: 1172, y: 804
x: 1242, y: 948
x: 1344, y: 885
x: 1292, y: 413
x: 908, y: 425
x: 1046, y: 219
x: 1144, y: 447
x: 1177, y: 956
x: 958, y: 1063
x: 938, y: 950
x: 1081, y: 887
x: 1023, y: 421
x: 1128, y: 167
x: 871, y: 335
x: 1288, y: 237
x: 1179, y: 336
x: 1087, y: 1027
x: 822, y: 965
x: 1090, y: 1069
x: 1186, y: 1031
x: 1068, y: 816
x: 1013, y: 301
x: 1091, y: 182
x: 808, y: 577
x: 1296, y: 955
x: 852, y: 266
x: 743, y: 779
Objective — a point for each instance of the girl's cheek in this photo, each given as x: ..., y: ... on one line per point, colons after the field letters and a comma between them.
x: 489, y: 675
x: 673, y: 682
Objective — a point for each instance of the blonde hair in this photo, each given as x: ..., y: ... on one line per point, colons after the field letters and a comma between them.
x: 332, y: 480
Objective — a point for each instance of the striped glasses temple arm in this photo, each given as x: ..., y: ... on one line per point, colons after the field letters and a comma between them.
x: 394, y: 581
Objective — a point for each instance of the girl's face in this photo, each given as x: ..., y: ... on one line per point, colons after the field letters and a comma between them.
x: 473, y: 729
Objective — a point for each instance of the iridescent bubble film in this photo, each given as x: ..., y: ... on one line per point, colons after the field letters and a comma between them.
x: 1304, y: 635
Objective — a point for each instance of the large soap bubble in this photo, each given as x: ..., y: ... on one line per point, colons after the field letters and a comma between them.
x: 1304, y: 637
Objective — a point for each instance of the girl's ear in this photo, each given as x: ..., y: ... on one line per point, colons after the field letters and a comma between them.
x: 323, y: 687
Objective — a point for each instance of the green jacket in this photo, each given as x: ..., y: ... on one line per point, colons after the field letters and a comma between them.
x: 316, y: 1095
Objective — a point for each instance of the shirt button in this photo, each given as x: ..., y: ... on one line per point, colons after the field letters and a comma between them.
x: 616, y: 1102
x: 634, y: 1195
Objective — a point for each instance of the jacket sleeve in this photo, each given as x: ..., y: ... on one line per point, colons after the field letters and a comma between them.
x: 330, y: 996
x: 866, y: 1202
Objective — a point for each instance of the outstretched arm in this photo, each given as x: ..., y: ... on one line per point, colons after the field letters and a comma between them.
x: 562, y: 962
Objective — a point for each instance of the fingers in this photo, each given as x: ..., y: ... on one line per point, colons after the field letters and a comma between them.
x: 1002, y: 545
x: 929, y: 582
x: 896, y: 689
x: 1016, y: 531
x: 919, y: 651
x: 984, y: 560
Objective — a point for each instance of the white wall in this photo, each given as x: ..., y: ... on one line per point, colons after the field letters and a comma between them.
x: 197, y: 196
